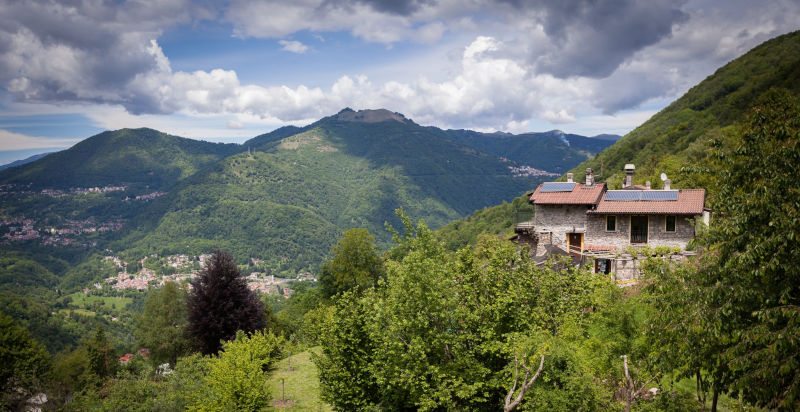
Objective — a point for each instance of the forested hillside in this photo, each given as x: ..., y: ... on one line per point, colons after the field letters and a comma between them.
x: 289, y: 199
x: 678, y: 140
x: 553, y: 151
x: 679, y: 136
x: 132, y: 157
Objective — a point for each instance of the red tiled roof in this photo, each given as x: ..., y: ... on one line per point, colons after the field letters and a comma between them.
x: 690, y: 202
x: 580, y: 195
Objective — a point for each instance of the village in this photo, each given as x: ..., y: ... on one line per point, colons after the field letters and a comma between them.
x: 15, y: 227
x: 154, y: 271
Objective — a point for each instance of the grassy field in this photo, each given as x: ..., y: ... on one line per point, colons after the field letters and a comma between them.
x: 301, y: 385
x: 79, y: 299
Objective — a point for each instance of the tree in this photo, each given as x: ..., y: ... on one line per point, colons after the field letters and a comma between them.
x: 102, y: 359
x: 355, y: 263
x: 162, y: 326
x: 24, y: 363
x: 237, y: 377
x: 748, y: 285
x: 448, y: 330
x: 220, y: 304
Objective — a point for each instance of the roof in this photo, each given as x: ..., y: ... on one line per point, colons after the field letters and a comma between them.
x: 579, y: 195
x: 689, y: 202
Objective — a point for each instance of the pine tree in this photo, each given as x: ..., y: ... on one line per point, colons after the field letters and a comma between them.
x: 221, y: 304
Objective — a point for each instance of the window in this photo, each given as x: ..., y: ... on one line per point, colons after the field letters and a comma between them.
x: 611, y: 223
x: 670, y: 226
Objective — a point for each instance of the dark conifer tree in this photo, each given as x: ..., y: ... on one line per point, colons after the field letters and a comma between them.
x: 221, y: 304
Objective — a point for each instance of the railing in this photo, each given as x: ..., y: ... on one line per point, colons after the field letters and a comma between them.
x: 523, y: 215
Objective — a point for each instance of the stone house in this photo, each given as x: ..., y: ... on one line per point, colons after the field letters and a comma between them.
x: 599, y: 227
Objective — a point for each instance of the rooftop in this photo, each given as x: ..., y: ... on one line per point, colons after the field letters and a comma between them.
x: 560, y: 193
x: 687, y: 202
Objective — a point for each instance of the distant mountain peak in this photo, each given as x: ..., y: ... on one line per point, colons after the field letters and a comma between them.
x: 369, y: 116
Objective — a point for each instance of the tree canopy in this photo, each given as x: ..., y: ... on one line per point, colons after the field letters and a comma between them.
x: 355, y: 263
x: 162, y: 326
x: 220, y: 304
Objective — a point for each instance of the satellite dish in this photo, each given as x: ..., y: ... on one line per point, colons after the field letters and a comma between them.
x: 663, y: 176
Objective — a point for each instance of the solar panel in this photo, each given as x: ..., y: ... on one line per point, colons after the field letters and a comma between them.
x: 623, y: 195
x: 660, y: 195
x: 556, y: 187
x: 636, y: 195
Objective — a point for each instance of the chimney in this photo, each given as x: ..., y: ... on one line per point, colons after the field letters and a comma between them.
x: 569, y: 177
x: 647, y: 183
x: 666, y: 184
x: 629, y: 168
x: 589, y: 177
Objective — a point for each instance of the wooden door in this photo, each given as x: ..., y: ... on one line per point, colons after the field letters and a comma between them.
x: 638, y: 229
x: 575, y: 242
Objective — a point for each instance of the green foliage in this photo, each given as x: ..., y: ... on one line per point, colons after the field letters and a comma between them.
x: 24, y: 364
x: 749, y: 285
x: 237, y: 377
x: 676, y: 140
x: 444, y: 330
x: 142, y: 157
x: 162, y: 326
x: 297, y: 378
x: 101, y: 355
x: 355, y: 264
x: 326, y: 178
x: 495, y: 220
x: 545, y: 151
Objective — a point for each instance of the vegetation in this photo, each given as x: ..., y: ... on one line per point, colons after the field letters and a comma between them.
x: 447, y: 330
x: 220, y: 304
x: 295, y: 384
x: 551, y: 151
x: 24, y: 364
x: 676, y: 139
x: 162, y: 326
x: 355, y: 264
x: 455, y: 319
x: 135, y: 157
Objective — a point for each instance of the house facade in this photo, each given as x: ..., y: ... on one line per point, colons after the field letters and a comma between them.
x: 598, y: 226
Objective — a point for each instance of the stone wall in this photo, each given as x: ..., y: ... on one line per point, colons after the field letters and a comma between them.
x: 559, y: 220
x: 657, y: 235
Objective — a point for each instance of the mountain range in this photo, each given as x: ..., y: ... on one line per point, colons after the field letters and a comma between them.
x: 286, y: 196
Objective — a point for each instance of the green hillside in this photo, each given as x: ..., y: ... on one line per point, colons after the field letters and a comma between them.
x: 552, y: 151
x: 288, y: 204
x: 136, y: 157
x: 679, y: 135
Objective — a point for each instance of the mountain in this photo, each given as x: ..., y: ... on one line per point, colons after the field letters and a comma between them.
x: 290, y: 199
x: 679, y: 135
x: 553, y: 151
x: 24, y: 161
x: 135, y: 157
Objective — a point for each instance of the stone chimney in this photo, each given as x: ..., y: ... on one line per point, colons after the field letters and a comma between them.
x: 629, y: 168
x: 667, y: 183
x: 569, y: 177
x: 589, y: 177
x: 647, y: 184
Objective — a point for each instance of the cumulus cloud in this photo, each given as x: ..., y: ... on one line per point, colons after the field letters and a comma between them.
x: 518, y: 60
x: 293, y: 46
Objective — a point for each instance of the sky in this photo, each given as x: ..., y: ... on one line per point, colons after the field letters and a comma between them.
x: 231, y: 70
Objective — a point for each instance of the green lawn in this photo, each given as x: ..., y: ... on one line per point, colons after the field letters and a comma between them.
x: 79, y: 299
x: 725, y: 403
x: 301, y: 384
